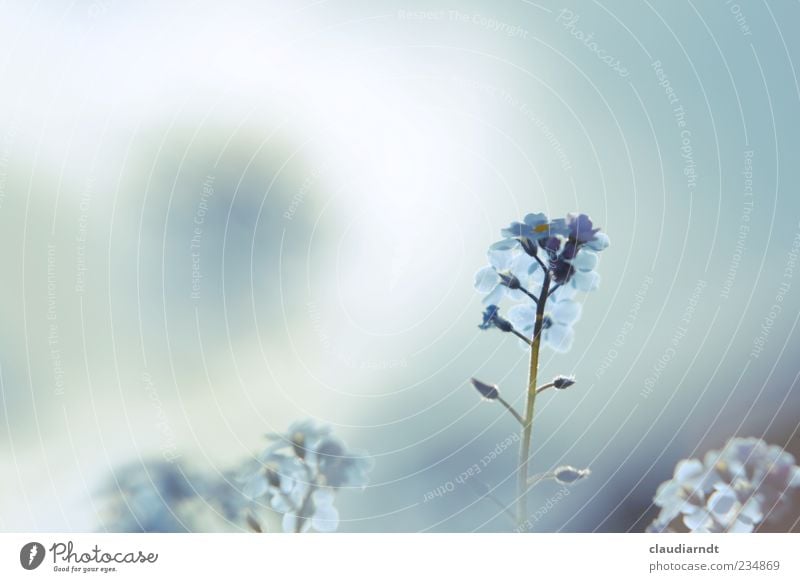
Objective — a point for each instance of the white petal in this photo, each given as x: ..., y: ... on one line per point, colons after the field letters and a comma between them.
x: 506, y: 244
x: 698, y: 520
x: 599, y: 243
x: 325, y: 518
x: 752, y: 511
x: 585, y: 281
x: 485, y: 280
x: 501, y: 253
x: 584, y: 261
x: 496, y: 295
x: 523, y: 266
x: 794, y: 480
x: 740, y: 526
x: 255, y: 487
x: 667, y: 493
x: 688, y: 469
x: 289, y: 522
x: 522, y: 317
x: 280, y: 504
x: 566, y: 311
x: 722, y: 504
x: 324, y: 497
x: 559, y: 337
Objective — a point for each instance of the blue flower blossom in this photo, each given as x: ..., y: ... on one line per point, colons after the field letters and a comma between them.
x: 507, y: 260
x: 561, y: 313
x: 299, y: 473
x: 731, y: 490
x: 535, y: 228
x: 562, y: 252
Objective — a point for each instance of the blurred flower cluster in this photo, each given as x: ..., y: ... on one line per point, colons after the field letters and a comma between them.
x: 295, y: 479
x: 163, y: 497
x: 559, y: 254
x: 298, y: 475
x: 731, y: 490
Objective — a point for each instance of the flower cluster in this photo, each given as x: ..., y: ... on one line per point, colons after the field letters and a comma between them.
x: 539, y: 265
x: 731, y: 490
x: 166, y: 497
x: 298, y: 475
x: 541, y: 260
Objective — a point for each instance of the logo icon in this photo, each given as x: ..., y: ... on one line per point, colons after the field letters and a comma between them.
x: 31, y: 555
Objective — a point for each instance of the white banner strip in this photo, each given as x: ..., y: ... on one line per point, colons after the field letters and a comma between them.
x: 355, y: 557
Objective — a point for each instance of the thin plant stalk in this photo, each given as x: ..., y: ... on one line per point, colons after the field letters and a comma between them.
x: 527, y: 427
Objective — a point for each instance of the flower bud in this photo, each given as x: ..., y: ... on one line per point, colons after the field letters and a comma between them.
x: 503, y: 324
x: 509, y: 280
x: 488, y: 391
x: 567, y: 475
x: 562, y: 382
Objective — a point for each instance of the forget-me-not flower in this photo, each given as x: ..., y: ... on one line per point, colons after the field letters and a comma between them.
x: 731, y: 490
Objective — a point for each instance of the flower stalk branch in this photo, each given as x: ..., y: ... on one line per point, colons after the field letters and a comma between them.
x: 527, y: 426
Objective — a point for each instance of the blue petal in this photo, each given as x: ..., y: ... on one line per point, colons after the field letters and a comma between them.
x: 584, y: 261
x: 535, y: 219
x: 585, y: 281
x: 486, y: 279
x: 495, y: 295
x: 566, y: 311
x: 599, y: 243
x: 559, y: 337
x: 522, y: 317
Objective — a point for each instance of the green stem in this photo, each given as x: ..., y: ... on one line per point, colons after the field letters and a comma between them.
x: 527, y: 427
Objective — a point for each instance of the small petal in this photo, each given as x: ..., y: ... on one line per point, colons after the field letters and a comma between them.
x: 523, y: 318
x: 585, y: 261
x: 559, y: 337
x: 698, y: 520
x: 486, y: 279
x: 289, y: 522
x: 688, y: 469
x: 255, y: 487
x: 566, y: 311
x: 325, y: 518
x: 600, y: 242
x: 586, y: 281
x: 494, y: 297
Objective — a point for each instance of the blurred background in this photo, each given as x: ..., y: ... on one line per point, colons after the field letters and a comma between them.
x: 218, y: 218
